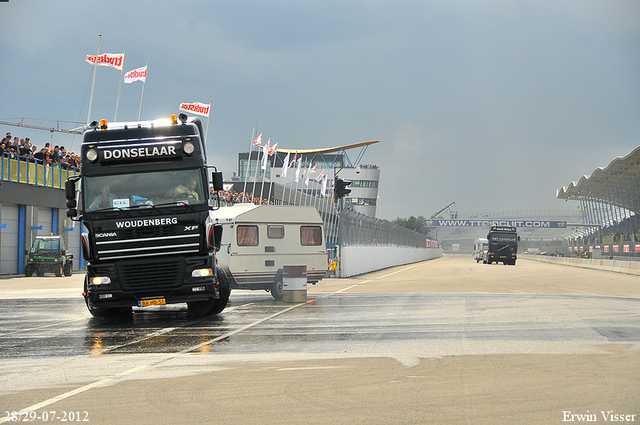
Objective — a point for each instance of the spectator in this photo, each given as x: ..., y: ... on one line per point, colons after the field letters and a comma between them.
x: 16, y: 148
x: 43, y: 155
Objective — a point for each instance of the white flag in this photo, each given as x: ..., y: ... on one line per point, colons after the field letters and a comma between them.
x: 306, y: 181
x: 195, y: 108
x: 324, y: 187
x: 265, y: 154
x: 112, y: 60
x: 320, y: 176
x: 258, y: 140
x: 273, y: 149
x: 139, y: 74
x: 285, y: 164
x: 298, y: 169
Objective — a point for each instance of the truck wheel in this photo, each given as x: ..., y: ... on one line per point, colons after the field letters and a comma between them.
x: 59, y: 272
x: 39, y: 272
x: 28, y: 271
x: 201, y: 308
x: 101, y: 312
x: 277, y: 289
x: 225, y: 291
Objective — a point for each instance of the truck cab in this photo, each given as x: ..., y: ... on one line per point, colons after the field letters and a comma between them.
x: 503, y: 245
x: 144, y: 203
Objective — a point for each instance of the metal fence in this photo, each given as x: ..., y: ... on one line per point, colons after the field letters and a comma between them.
x: 349, y: 228
x: 33, y: 172
x: 356, y: 229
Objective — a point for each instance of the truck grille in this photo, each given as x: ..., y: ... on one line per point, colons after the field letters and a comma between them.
x: 149, y: 242
x: 165, y: 273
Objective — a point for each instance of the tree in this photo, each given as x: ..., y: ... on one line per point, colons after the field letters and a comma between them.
x: 412, y: 223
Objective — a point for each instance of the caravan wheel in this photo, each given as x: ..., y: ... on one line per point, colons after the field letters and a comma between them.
x: 277, y: 289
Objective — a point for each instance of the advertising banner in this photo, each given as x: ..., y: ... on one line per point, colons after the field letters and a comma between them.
x: 537, y: 224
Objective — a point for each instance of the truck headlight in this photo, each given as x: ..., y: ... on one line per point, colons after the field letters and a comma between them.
x: 100, y: 280
x: 202, y: 273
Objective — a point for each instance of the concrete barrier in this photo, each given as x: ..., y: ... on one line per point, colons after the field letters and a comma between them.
x: 363, y: 259
x: 618, y: 266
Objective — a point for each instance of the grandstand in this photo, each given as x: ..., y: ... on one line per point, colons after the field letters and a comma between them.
x: 609, y: 202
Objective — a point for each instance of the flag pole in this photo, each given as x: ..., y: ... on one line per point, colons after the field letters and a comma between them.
x: 115, y: 118
x: 144, y: 84
x: 246, y: 177
x: 266, y: 165
x: 255, y: 177
x: 270, y: 179
x: 95, y: 68
x: 207, y: 130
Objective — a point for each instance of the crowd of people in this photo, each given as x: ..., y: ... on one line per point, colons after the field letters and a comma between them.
x: 17, y: 148
x: 229, y: 197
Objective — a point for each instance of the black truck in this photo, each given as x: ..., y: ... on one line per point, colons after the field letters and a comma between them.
x: 144, y: 203
x: 503, y: 245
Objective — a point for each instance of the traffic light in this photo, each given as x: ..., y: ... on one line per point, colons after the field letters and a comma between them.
x: 341, y: 188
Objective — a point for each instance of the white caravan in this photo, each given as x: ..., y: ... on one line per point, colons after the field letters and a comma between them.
x: 480, y: 246
x: 258, y: 240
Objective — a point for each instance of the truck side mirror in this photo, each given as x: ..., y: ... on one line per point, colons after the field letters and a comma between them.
x: 70, y: 190
x: 216, y: 179
x: 217, y: 234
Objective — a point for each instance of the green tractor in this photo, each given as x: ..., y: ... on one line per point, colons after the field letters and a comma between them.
x: 48, y: 255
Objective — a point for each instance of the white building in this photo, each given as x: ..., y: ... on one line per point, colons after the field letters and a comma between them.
x: 329, y: 163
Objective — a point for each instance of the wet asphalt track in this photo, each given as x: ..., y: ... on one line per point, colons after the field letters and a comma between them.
x: 52, y: 345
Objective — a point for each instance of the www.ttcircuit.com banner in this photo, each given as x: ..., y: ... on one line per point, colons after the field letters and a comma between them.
x: 538, y: 224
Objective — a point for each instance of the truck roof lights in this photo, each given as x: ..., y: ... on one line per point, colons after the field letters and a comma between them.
x: 174, y: 119
x: 103, y: 124
x: 188, y: 148
x: 92, y: 155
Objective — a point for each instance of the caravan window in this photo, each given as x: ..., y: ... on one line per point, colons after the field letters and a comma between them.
x: 275, y: 232
x: 247, y: 235
x: 310, y: 235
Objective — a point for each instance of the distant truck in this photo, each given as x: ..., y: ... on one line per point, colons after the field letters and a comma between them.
x: 257, y: 241
x: 48, y: 254
x: 503, y: 245
x: 480, y: 246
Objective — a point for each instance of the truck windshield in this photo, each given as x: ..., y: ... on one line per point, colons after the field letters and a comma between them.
x: 503, y: 238
x: 133, y: 190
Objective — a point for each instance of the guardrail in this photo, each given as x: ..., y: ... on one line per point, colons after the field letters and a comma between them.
x: 34, y: 172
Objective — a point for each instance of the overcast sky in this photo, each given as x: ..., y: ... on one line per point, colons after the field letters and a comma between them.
x: 491, y: 104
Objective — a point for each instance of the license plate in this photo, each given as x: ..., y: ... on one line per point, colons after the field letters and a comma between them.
x: 147, y: 303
